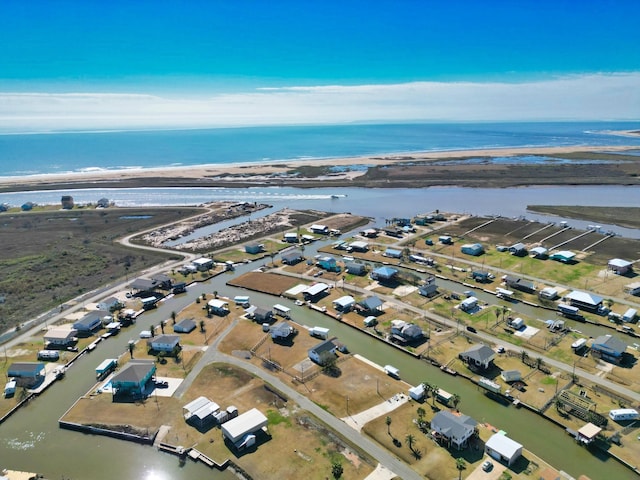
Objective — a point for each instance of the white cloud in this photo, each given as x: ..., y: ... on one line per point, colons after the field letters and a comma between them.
x: 578, y: 97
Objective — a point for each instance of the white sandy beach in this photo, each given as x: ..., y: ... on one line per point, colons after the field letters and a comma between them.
x: 239, y: 170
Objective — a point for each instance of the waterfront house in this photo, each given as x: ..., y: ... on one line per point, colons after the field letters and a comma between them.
x: 291, y: 237
x: 548, y: 293
x: 282, y: 331
x: 473, y: 249
x: 358, y: 246
x: 27, y: 374
x: 563, y: 256
x: 519, y: 284
x: 162, y: 281
x: 143, y: 285
x: 263, y: 315
x: 323, y: 352
x: 200, y: 412
x: 384, y: 274
x: 371, y: 305
x: 518, y: 250
x: 481, y: 277
x: 584, y: 300
x: 90, y: 322
x: 511, y: 375
x: 292, y: 258
x: 203, y: 264
x: 344, y: 304
x: 316, y: 291
x: 418, y: 392
x: 321, y: 229
x: 469, y: 304
x: 133, y: 378
x: 59, y: 337
x: 164, y: 343
x: 429, y: 288
x: 588, y: 433
x: 620, y: 266
x: 454, y: 429
x: 218, y: 307
x: 355, y: 268
x: 503, y: 449
x: 608, y: 348
x: 369, y: 233
x: 241, y: 431
x: 632, y: 288
x: 109, y: 304
x: 185, y: 326
x: 180, y: 287
x: 405, y: 331
x: 328, y: 263
x: 479, y: 355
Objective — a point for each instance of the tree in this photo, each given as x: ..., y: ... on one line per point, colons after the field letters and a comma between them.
x: 388, y: 422
x: 204, y: 296
x: 202, y: 329
x: 410, y: 439
x: 455, y: 400
x: 336, y: 470
x: 434, y: 394
x: 215, y: 294
x: 421, y: 413
x: 173, y: 317
x: 162, y: 323
x: 460, y: 465
x: 132, y: 346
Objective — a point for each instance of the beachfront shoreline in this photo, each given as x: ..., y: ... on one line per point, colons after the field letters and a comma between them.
x: 275, y: 172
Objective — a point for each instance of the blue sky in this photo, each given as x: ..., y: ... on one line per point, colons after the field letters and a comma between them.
x: 234, y: 62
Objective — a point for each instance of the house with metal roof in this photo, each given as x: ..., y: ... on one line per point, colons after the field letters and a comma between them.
x: 282, y: 331
x: 345, y: 303
x: 539, y: 252
x: 200, y: 412
x: 608, y: 348
x: 584, y: 300
x: 384, y: 274
x: 27, y: 374
x: 185, y: 326
x: 454, y: 429
x: 358, y: 246
x: 90, y: 322
x: 143, y: 285
x: 164, y: 343
x: 292, y: 257
x: 60, y: 337
x: 315, y: 291
x: 518, y: 249
x: 563, y: 256
x: 473, y: 249
x: 328, y: 263
x: 241, y: 430
x: 371, y: 304
x: 519, y: 284
x: 479, y: 355
x: 392, y: 253
x: 620, y: 266
x: 503, y: 449
x: 355, y: 268
x: 133, y: 378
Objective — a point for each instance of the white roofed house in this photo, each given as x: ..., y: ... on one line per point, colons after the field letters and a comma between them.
x: 164, y: 343
x: 584, y: 300
x: 60, y: 337
x: 503, y: 449
x: 539, y: 252
x: 200, y: 412
x: 620, y: 266
x: 241, y: 431
x: 345, y: 303
x: 218, y: 307
x: 315, y: 291
x: 316, y: 228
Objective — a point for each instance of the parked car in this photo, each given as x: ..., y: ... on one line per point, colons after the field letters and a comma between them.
x: 487, y: 466
x: 162, y: 384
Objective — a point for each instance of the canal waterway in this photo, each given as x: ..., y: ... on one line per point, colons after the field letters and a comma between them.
x: 32, y: 441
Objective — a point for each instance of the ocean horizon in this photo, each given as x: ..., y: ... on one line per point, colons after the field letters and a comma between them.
x: 28, y: 154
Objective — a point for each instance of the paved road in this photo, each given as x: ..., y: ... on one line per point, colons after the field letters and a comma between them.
x: 380, y: 454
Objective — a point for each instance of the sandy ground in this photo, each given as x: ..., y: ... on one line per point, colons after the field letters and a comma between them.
x: 240, y: 170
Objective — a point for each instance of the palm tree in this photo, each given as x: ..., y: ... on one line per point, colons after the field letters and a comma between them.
x: 460, y: 465
x: 434, y: 394
x: 455, y: 400
x: 388, y: 422
x: 336, y: 470
x: 215, y: 294
x: 421, y: 413
x: 410, y: 439
x: 132, y: 346
x: 202, y: 326
x: 173, y: 317
x: 162, y: 323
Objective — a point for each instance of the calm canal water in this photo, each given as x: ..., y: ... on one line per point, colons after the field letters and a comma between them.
x: 32, y: 441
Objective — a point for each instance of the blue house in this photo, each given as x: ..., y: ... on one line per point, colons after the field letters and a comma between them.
x: 185, y: 326
x: 133, y: 378
x: 371, y: 305
x: 27, y: 374
x: 474, y: 249
x: 90, y: 322
x: 384, y: 274
x: 392, y: 253
x: 328, y: 263
x: 253, y: 248
x: 608, y: 348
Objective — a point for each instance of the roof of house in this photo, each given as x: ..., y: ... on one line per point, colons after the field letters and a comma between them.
x: 186, y: 324
x: 316, y: 289
x: 322, y: 347
x: 262, y: 312
x: 345, y: 301
x: 538, y: 250
x: 584, y: 297
x: 161, y: 278
x: 283, y: 328
x: 610, y: 343
x: 371, y: 303
x: 246, y: 423
x: 216, y: 303
x: 385, y: 272
x: 620, y: 263
x: 518, y: 246
x: 166, y: 339
x: 392, y: 252
x: 354, y: 267
x: 563, y: 254
x: 90, y: 319
x: 24, y: 367
x: 359, y: 244
x: 453, y: 425
x: 504, y: 445
x: 134, y: 371
x: 143, y: 284
x: 291, y: 256
x: 479, y: 352
x: 60, y: 333
x: 589, y: 430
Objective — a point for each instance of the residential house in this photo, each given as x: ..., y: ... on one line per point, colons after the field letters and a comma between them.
x: 315, y: 291
x: 328, y: 263
x: 445, y: 240
x: 358, y: 246
x: 519, y: 284
x: 429, y: 288
x: 103, y: 203
x: 291, y: 237
x: 469, y: 304
x: 371, y: 305
x: 323, y: 352
x: 539, y: 252
x: 584, y: 300
x: 405, y: 332
x: 109, y: 304
x: 162, y: 281
x: 454, y: 429
x: 563, y: 256
x: 240, y: 431
x: 384, y: 274
x: 418, y: 392
x: 632, y: 288
x: 59, y: 337
x: 511, y: 375
x: 254, y: 248
x: 609, y: 348
x: 548, y: 293
x: 282, y: 331
x: 392, y: 253
x: 90, y: 322
x: 292, y: 258
x: 321, y: 229
x: 143, y: 285
x: 620, y: 266
x: 481, y: 277
x: 588, y: 433
x: 200, y: 412
x: 203, y: 264
x: 263, y: 315
x: 344, y: 304
x: 27, y: 374
x: 133, y: 378
x: 67, y: 202
x: 219, y: 307
x: 369, y: 233
x: 479, y: 355
x: 473, y: 249
x: 355, y: 268
x: 185, y: 326
x: 180, y: 287
x: 503, y: 449
x: 518, y: 249
x: 164, y: 343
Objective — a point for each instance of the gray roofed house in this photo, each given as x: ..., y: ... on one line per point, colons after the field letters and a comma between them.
x: 323, y: 352
x: 143, y: 284
x: 291, y: 258
x: 282, y: 330
x: 185, y: 326
x: 162, y: 280
x: 261, y: 315
x: 371, y: 304
x: 609, y: 348
x: 519, y: 283
x: 164, y: 343
x: 480, y: 355
x: 90, y: 322
x: 27, y: 374
x: 456, y: 429
x: 355, y: 268
x: 131, y: 380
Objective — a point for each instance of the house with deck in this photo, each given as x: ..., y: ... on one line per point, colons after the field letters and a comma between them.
x: 620, y: 266
x: 133, y: 378
x: 584, y: 301
x: 60, y: 337
x: 90, y: 322
x: 384, y: 274
x: 479, y: 355
x: 371, y: 305
x: 27, y: 374
x: 455, y: 430
x: 608, y: 348
x: 344, y: 303
x: 164, y: 343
